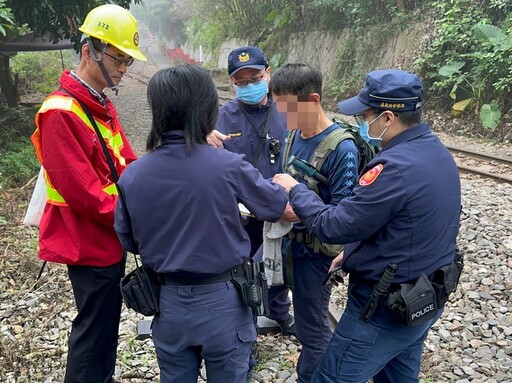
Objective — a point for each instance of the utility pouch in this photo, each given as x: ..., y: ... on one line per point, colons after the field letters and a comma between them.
x: 415, y: 303
x: 329, y: 250
x: 445, y: 279
x: 140, y: 290
x: 252, y: 286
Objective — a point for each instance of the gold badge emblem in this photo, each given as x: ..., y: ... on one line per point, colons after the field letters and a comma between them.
x: 244, y: 57
x: 136, y: 39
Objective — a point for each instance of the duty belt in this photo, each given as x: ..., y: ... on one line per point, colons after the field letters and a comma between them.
x: 186, y: 278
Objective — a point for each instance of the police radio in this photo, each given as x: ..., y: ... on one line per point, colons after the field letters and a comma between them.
x: 275, y: 149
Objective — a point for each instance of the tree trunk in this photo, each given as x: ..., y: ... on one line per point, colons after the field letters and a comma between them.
x: 7, y: 84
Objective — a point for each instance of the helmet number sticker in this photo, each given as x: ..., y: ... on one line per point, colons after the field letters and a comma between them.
x: 103, y: 25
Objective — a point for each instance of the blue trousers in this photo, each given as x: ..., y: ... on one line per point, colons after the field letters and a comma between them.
x: 203, y: 322
x: 92, y: 343
x: 382, y: 348
x: 311, y: 307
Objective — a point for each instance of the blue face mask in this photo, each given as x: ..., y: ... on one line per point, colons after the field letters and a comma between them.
x: 364, y: 129
x: 253, y: 93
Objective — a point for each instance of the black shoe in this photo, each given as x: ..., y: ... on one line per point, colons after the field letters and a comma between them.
x: 288, y: 326
x: 253, y: 361
x: 255, y: 353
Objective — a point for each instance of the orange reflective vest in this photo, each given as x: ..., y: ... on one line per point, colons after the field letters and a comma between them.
x: 113, y: 140
x: 77, y: 226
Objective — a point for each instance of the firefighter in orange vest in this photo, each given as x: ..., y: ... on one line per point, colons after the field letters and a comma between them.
x: 77, y: 226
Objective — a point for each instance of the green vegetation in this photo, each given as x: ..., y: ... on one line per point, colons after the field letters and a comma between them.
x: 39, y: 72
x: 270, y: 24
x: 465, y: 58
x: 18, y: 162
x: 468, y: 60
x: 5, y: 18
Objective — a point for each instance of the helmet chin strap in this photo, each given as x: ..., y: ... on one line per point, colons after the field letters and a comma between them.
x: 94, y: 54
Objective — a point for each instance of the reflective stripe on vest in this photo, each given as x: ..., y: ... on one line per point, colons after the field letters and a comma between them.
x: 114, y: 141
x: 53, y: 197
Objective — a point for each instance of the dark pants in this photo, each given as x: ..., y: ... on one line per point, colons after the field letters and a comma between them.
x: 382, y: 348
x: 92, y: 343
x: 203, y: 322
x: 311, y: 308
x: 278, y: 300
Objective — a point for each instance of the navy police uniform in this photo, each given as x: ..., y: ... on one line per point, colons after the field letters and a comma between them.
x: 240, y: 127
x: 182, y: 216
x: 245, y: 127
x: 244, y: 124
x: 405, y: 210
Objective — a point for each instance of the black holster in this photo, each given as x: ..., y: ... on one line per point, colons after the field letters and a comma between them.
x: 415, y: 303
x: 445, y: 279
x: 419, y: 302
x: 140, y: 290
x: 252, y: 286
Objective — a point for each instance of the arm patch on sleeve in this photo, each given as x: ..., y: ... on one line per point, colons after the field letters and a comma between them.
x: 371, y: 175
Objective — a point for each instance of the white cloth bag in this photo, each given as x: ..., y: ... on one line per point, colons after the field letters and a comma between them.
x: 37, y: 202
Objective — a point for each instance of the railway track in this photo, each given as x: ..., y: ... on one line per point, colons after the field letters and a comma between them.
x: 482, y: 165
x: 138, y: 76
x: 223, y: 90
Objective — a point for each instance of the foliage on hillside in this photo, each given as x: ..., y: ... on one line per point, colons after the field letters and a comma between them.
x: 465, y: 59
x: 39, y: 72
x: 468, y: 57
x: 6, y: 18
x: 17, y: 160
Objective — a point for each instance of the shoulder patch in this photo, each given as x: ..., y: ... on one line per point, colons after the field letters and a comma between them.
x: 371, y: 175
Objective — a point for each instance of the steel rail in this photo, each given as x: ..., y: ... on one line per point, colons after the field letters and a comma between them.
x: 480, y: 156
x: 493, y: 160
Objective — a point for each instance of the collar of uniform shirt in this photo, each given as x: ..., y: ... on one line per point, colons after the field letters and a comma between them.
x: 101, y: 97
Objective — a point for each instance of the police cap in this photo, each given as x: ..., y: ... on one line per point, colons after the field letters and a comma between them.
x: 390, y: 89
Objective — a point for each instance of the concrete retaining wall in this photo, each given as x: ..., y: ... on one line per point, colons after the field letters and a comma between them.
x: 321, y: 49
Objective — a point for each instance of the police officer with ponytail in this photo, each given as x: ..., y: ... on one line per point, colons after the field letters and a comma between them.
x: 180, y: 212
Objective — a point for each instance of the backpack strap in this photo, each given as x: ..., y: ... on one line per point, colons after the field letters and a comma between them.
x: 365, y: 150
x: 325, y: 147
x: 288, y: 141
